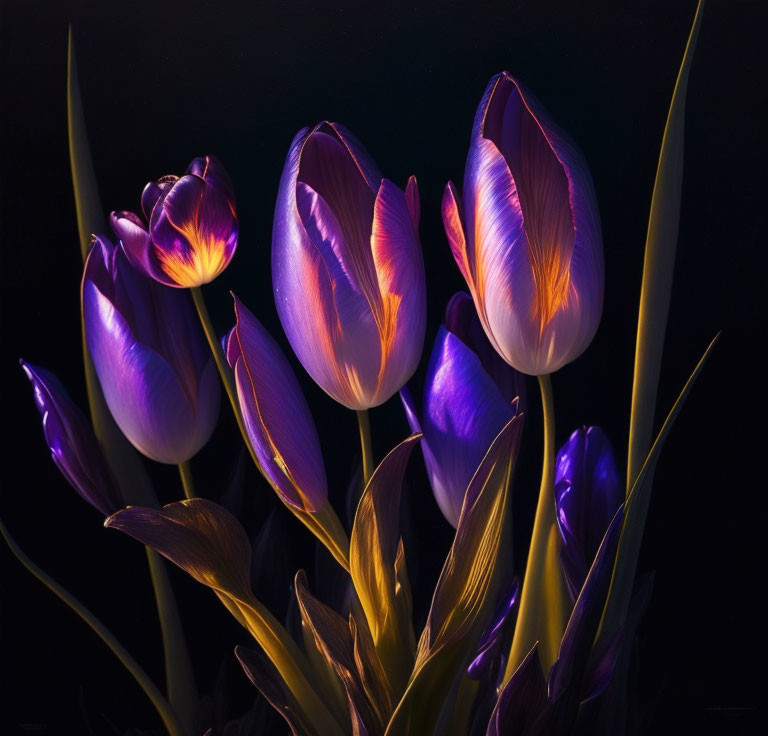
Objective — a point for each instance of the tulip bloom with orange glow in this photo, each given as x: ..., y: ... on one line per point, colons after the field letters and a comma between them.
x: 347, y: 268
x: 526, y: 233
x: 192, y: 232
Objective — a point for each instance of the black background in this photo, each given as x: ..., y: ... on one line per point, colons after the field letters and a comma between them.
x: 163, y: 82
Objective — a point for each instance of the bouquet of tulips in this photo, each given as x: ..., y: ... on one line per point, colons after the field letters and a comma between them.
x: 539, y: 650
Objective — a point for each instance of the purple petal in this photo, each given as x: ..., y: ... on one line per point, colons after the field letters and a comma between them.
x: 215, y: 175
x: 587, y: 493
x: 73, y: 445
x: 412, y: 200
x: 158, y: 381
x: 454, y: 230
x: 194, y: 232
x: 357, y: 152
x: 463, y: 412
x: 153, y: 193
x: 276, y: 415
x: 522, y: 701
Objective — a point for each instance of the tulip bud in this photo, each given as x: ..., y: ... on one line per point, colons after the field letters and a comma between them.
x: 192, y: 233
x: 526, y: 235
x: 347, y: 269
x: 587, y: 493
x: 73, y: 445
x: 157, y: 374
x: 276, y: 415
x: 469, y: 395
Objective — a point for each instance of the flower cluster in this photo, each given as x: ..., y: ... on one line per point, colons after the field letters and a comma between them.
x: 505, y: 649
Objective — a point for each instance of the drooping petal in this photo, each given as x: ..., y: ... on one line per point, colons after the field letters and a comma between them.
x: 73, y: 445
x: 276, y: 414
x: 463, y: 412
x: 587, y: 493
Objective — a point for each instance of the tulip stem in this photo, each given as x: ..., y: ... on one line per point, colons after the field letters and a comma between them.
x: 162, y: 706
x: 185, y: 472
x: 543, y: 607
x: 364, y: 423
x: 221, y: 364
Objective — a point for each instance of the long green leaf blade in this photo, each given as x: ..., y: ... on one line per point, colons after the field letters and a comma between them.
x: 658, y: 267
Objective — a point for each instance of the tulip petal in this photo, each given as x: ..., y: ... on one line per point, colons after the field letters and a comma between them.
x: 587, y: 493
x: 454, y: 229
x: 194, y: 232
x: 213, y: 172
x: 141, y: 389
x: 73, y: 445
x: 357, y: 151
x: 276, y: 415
x: 134, y: 239
x: 463, y: 413
x: 401, y: 310
x: 154, y: 192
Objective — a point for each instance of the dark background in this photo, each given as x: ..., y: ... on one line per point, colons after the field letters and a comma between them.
x: 163, y: 82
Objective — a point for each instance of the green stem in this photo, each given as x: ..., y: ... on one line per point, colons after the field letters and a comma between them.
x: 185, y: 472
x: 364, y: 424
x: 150, y: 689
x: 543, y: 601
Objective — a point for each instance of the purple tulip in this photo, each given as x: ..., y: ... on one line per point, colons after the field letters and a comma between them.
x: 526, y: 235
x: 276, y: 414
x: 469, y: 395
x: 192, y: 233
x: 157, y: 374
x: 587, y: 493
x: 73, y: 445
x: 347, y: 269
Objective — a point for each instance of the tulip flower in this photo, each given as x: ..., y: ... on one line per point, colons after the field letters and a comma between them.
x: 277, y: 419
x: 469, y: 395
x: 587, y: 493
x: 347, y: 268
x: 73, y: 445
x: 192, y: 232
x: 158, y: 377
x: 526, y: 234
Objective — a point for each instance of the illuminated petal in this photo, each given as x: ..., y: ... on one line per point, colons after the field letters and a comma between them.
x: 412, y: 200
x: 276, y: 414
x: 533, y: 252
x: 154, y: 192
x: 463, y: 412
x: 486, y: 662
x: 134, y: 239
x: 73, y: 445
x: 194, y: 231
x: 401, y: 309
x: 454, y: 229
x: 587, y: 493
x: 158, y: 380
x: 215, y: 175
x: 360, y: 156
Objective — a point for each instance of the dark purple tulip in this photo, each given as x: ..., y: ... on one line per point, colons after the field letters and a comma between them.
x: 157, y: 374
x: 276, y: 415
x: 192, y: 233
x: 74, y: 447
x: 347, y: 269
x: 469, y: 395
x: 526, y: 233
x: 587, y: 493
